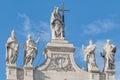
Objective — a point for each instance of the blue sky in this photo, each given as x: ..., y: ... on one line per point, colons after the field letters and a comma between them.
x: 87, y: 20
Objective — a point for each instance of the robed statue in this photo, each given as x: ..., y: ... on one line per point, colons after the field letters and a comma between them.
x: 57, y: 25
x: 108, y: 54
x: 89, y: 56
x: 11, y: 49
x: 30, y: 50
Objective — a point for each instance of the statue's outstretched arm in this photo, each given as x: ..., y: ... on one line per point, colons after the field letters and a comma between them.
x: 38, y: 40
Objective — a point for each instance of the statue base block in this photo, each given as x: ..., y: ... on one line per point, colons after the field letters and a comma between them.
x: 28, y: 73
x: 11, y: 71
x: 110, y: 74
x: 94, y: 75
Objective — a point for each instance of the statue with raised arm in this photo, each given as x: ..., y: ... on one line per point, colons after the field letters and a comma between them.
x: 89, y: 56
x: 30, y: 50
x: 57, y: 25
x: 11, y: 49
x: 108, y: 54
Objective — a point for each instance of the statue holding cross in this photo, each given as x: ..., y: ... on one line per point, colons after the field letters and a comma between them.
x: 57, y: 23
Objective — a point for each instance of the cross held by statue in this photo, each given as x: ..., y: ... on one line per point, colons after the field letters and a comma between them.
x: 63, y: 10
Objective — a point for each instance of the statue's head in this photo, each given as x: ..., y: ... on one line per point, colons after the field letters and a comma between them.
x: 57, y: 10
x: 13, y: 34
x: 108, y: 41
x: 90, y: 42
x: 29, y: 37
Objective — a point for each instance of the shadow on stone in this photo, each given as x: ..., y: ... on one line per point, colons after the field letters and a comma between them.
x: 38, y: 75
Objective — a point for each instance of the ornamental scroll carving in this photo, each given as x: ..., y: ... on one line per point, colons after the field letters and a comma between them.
x: 60, y: 62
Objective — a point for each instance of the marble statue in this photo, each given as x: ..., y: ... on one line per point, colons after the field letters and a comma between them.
x: 57, y: 25
x: 11, y: 49
x: 89, y: 56
x: 30, y: 50
x: 108, y: 54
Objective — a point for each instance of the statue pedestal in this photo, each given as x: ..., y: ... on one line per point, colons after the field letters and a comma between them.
x: 94, y: 75
x: 60, y: 53
x: 28, y: 73
x: 109, y: 74
x: 60, y: 64
x: 11, y: 72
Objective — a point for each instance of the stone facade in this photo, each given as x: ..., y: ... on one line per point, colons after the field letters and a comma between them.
x: 60, y: 64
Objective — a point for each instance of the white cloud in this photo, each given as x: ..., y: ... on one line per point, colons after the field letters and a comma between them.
x: 33, y: 28
x: 27, y: 24
x: 99, y: 26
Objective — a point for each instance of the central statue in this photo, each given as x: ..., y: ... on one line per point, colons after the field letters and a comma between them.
x: 57, y: 24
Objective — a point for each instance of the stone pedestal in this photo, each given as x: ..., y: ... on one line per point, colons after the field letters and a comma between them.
x: 109, y: 75
x: 94, y: 75
x: 60, y: 64
x: 28, y: 73
x: 60, y: 53
x: 11, y: 72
